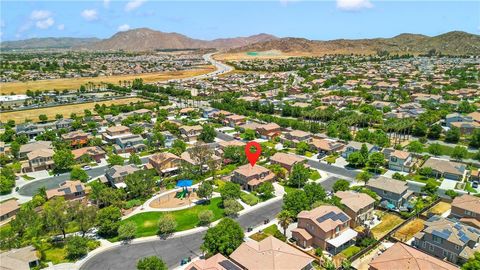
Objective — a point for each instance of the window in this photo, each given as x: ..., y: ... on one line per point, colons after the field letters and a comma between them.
x: 437, y: 239
x: 457, y: 247
x: 424, y: 244
x: 393, y: 159
x: 337, y: 229
x: 445, y: 253
x: 468, y: 213
x: 432, y: 248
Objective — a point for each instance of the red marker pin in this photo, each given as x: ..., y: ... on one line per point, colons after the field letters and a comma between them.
x: 253, y: 157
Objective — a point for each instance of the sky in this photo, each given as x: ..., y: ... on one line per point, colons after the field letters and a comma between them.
x: 319, y: 20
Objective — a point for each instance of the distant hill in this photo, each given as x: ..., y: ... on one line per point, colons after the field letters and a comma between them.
x: 145, y: 39
x: 47, y: 43
x: 451, y: 43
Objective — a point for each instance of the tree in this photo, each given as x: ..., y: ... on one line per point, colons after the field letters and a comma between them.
x: 452, y: 135
x: 127, y: 230
x: 202, y: 155
x: 25, y: 220
x: 205, y: 190
x: 299, y: 175
x: 63, y: 159
x: 475, y: 138
x: 230, y: 191
x: 363, y: 176
x: 231, y: 207
x: 140, y: 184
x: 249, y: 135
x: 364, y: 151
x: 166, y: 224
x: 431, y: 187
x: 108, y: 221
x: 420, y: 129
x: 285, y: 218
x: 55, y: 215
x: 356, y: 159
x: 341, y: 185
x: 451, y: 193
x: 375, y: 160
x: 208, y: 134
x: 295, y: 202
x: 134, y: 159
x: 43, y: 118
x: 205, y: 217
x: 279, y: 171
x: 179, y: 146
x: 111, y: 196
x: 223, y: 238
x: 415, y: 147
x: 78, y: 173
x: 76, y: 247
x: 425, y: 171
x: 266, y: 190
x: 315, y: 192
x: 302, y: 148
x: 115, y: 160
x: 434, y: 132
x: 473, y: 263
x: 15, y: 148
x: 83, y: 215
x: 435, y: 149
x: 151, y: 263
x: 459, y: 152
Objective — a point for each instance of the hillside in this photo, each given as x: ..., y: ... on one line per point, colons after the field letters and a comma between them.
x: 46, y: 43
x: 451, y: 43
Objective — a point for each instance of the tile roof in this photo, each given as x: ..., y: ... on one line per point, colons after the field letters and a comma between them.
x: 354, y: 200
x: 467, y: 202
x: 327, y: 217
x: 388, y: 184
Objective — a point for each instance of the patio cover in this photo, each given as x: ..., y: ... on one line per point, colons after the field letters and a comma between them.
x: 343, y: 238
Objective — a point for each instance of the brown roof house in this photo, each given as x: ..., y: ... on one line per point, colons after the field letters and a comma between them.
x: 326, y: 227
x: 116, y: 174
x: 467, y: 209
x: 235, y: 120
x: 91, y: 152
x: 8, y: 209
x: 164, y: 163
x: 400, y: 161
x: 268, y: 131
x: 250, y: 177
x: 216, y: 262
x: 19, y: 259
x: 448, y: 239
x: 296, y: 136
x: 115, y: 132
x: 358, y: 206
x: 41, y: 159
x: 70, y: 190
x: 76, y: 138
x: 286, y: 160
x: 446, y: 168
x: 401, y: 256
x: 29, y: 147
x: 190, y: 133
x: 270, y: 254
x: 393, y: 193
x: 326, y: 146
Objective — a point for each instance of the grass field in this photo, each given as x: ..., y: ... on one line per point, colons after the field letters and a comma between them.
x: 74, y: 83
x: 270, y: 230
x: 147, y: 223
x: 406, y: 232
x: 388, y: 222
x: 439, y: 208
x: 66, y: 110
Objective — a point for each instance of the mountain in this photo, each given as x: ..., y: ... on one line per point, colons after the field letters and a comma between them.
x: 46, y: 43
x: 145, y: 39
x: 451, y: 43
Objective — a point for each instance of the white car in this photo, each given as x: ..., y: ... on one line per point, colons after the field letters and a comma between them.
x: 87, y: 168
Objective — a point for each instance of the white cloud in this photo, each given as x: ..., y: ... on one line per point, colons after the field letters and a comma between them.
x: 123, y: 27
x: 40, y: 15
x: 351, y: 5
x: 45, y: 24
x: 106, y: 3
x: 133, y: 4
x: 61, y: 27
x: 89, y: 14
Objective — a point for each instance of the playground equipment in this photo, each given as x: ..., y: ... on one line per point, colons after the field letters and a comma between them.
x: 184, y: 184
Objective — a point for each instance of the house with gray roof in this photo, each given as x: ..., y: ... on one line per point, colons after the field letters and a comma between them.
x: 391, y: 191
x: 446, y: 168
x: 356, y: 146
x: 117, y: 174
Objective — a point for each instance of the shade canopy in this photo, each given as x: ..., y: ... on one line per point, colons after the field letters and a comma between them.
x: 184, y: 183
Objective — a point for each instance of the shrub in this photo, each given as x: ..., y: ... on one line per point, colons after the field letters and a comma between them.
x: 205, y: 217
x: 76, y: 247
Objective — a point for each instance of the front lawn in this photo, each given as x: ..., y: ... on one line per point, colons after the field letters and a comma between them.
x: 423, y: 179
x: 147, y: 223
x: 315, y: 175
x: 388, y: 222
x: 249, y: 198
x: 270, y: 230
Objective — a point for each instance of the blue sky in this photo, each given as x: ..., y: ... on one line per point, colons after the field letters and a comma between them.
x: 321, y: 20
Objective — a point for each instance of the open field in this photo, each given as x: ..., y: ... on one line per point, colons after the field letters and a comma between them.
x: 388, y: 222
x: 406, y: 232
x: 74, y: 83
x: 66, y: 110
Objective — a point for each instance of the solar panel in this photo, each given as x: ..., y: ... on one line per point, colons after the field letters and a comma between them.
x: 443, y: 234
x: 229, y: 265
x: 457, y: 226
x: 67, y: 190
x: 325, y: 217
x: 331, y: 215
x: 464, y: 238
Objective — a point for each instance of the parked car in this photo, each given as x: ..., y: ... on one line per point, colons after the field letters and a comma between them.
x: 87, y: 168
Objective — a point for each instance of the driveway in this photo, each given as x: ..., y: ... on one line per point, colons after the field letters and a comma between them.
x: 171, y: 250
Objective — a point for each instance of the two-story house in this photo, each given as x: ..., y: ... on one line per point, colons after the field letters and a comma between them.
x: 326, y: 227
x: 446, y: 168
x: 89, y: 153
x: 467, y: 208
x: 296, y: 136
x: 356, y: 146
x: 112, y: 133
x: 41, y: 159
x: 448, y: 239
x: 358, y: 206
x: 235, y: 120
x: 29, y: 147
x: 70, y: 190
x: 76, y: 138
x: 250, y: 177
x: 326, y: 146
x: 287, y: 161
x: 116, y: 174
x: 164, y: 163
x: 400, y: 161
x: 190, y: 133
x: 393, y: 193
x: 129, y: 144
x: 268, y: 131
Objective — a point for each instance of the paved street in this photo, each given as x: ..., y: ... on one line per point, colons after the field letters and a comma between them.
x: 341, y: 172
x: 170, y: 250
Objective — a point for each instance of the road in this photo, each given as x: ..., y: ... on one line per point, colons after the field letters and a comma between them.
x: 334, y: 170
x: 221, y: 69
x: 171, y: 250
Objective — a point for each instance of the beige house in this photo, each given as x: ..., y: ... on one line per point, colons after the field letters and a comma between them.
x: 190, y: 133
x: 164, y: 163
x: 70, y: 190
x: 285, y: 160
x: 112, y: 133
x: 216, y: 262
x: 41, y: 159
x: 296, y: 136
x: 250, y: 177
x: 29, y: 147
x: 19, y: 259
x: 358, y: 206
x: 467, y: 209
x: 8, y: 209
x: 446, y: 168
x: 326, y: 146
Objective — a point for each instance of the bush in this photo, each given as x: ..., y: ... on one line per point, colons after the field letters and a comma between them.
x: 76, y: 247
x: 365, y: 242
x: 319, y: 252
x: 166, y: 224
x: 132, y: 203
x: 93, y: 244
x: 399, y: 176
x: 249, y: 198
x: 205, y: 217
x: 127, y: 230
x: 279, y: 235
x: 315, y: 175
x: 232, y: 207
x: 151, y: 263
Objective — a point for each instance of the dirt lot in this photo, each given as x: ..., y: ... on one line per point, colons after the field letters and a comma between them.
x: 74, y: 83
x: 65, y: 110
x: 388, y: 222
x: 406, y: 232
x: 439, y: 209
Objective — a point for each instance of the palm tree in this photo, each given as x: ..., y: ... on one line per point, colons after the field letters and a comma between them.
x: 285, y: 219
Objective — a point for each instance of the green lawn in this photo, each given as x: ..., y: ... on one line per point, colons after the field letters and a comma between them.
x: 270, y: 230
x: 447, y: 151
x: 315, y: 175
x: 350, y: 251
x: 186, y: 219
x: 249, y: 198
x: 54, y: 253
x: 423, y: 179
x: 288, y: 189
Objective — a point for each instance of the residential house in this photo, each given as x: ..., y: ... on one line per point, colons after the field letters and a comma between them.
x: 41, y: 159
x: 190, y: 133
x: 29, y: 129
x: 129, y: 144
x: 29, y: 147
x: 296, y: 136
x: 8, y: 209
x: 19, y: 259
x: 326, y: 227
x: 224, y: 144
x: 70, y: 190
x: 250, y: 177
x: 393, y: 192
x: 326, y: 146
x: 401, y: 256
x: 466, y: 128
x: 268, y: 131
x: 467, y: 208
x: 358, y: 206
x: 446, y: 168
x: 76, y: 138
x: 448, y: 239
x: 216, y: 262
x: 164, y: 163
x: 235, y: 120
x: 356, y: 146
x: 400, y: 161
x: 91, y: 152
x: 287, y: 161
x: 208, y: 112
x: 64, y: 123
x: 112, y: 133
x: 270, y: 254
x: 116, y: 175
x: 457, y: 118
